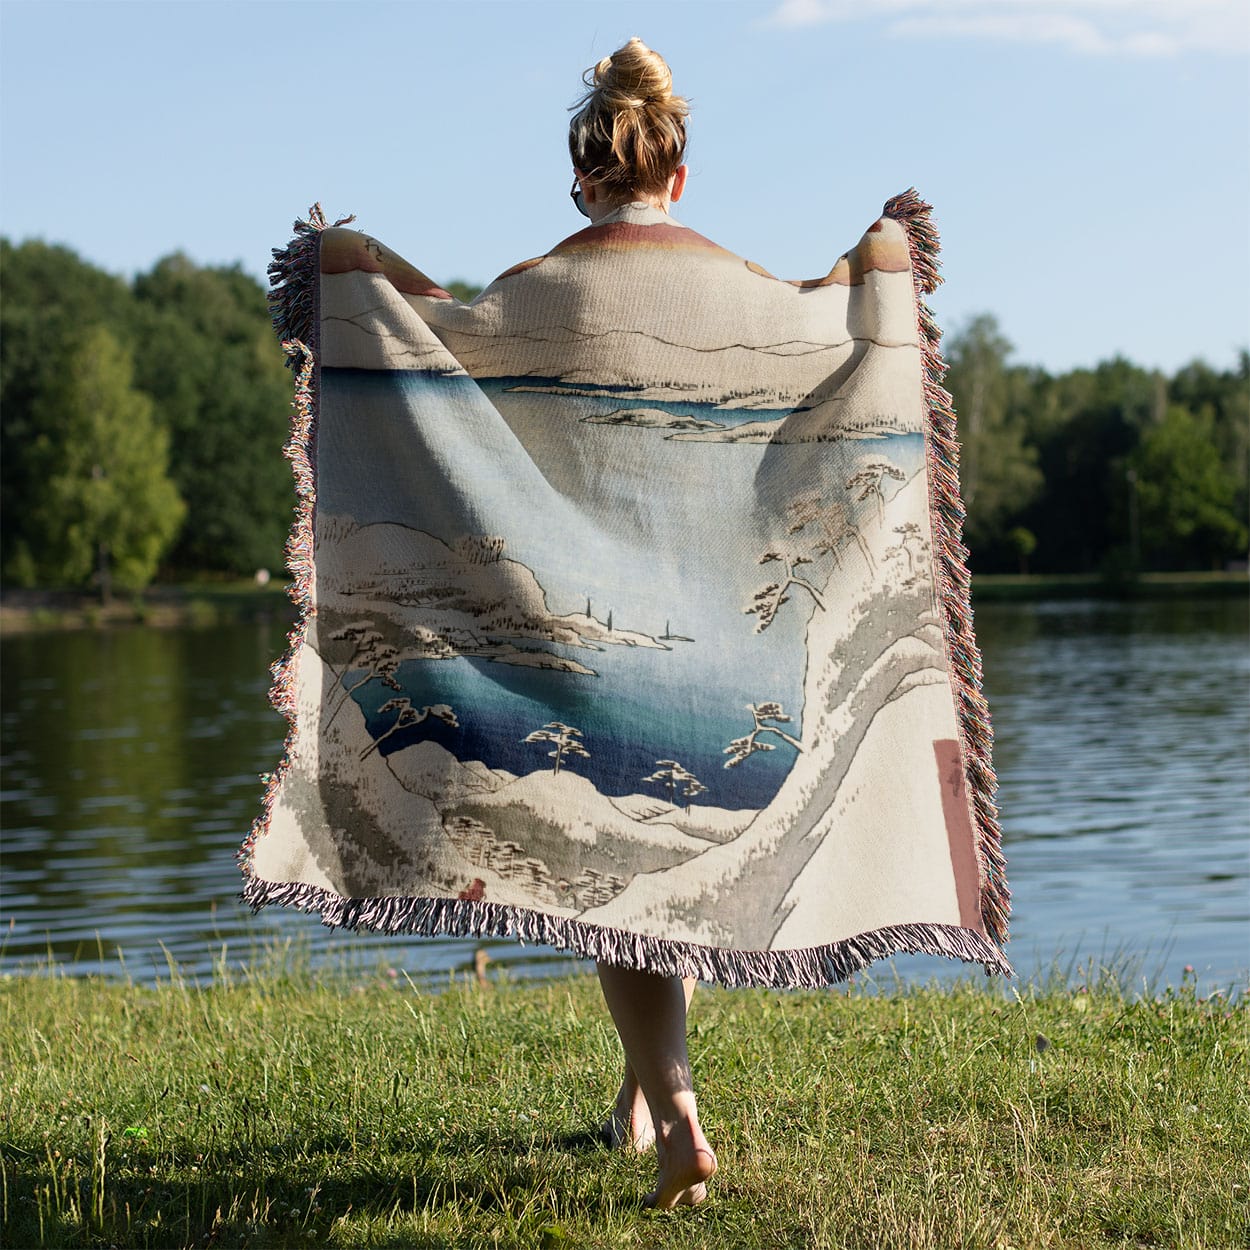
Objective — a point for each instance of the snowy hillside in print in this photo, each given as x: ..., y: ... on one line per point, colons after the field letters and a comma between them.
x: 647, y: 862
x: 420, y: 814
x: 876, y: 693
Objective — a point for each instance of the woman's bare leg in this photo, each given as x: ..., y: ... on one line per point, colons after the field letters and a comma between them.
x: 629, y: 1124
x: 650, y: 1015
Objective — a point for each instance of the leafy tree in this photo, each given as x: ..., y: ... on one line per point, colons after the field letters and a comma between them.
x: 465, y: 292
x: 1186, y: 494
x: 209, y: 359
x: 205, y: 354
x: 1024, y: 543
x: 51, y: 299
x: 997, y: 467
x: 1089, y: 423
x: 1223, y: 397
x: 106, y: 504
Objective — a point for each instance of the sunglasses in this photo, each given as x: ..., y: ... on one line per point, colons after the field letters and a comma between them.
x: 576, y: 196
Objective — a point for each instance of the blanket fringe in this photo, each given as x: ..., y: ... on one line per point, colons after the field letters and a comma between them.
x: 299, y: 561
x: 809, y: 968
x: 293, y: 276
x: 293, y: 304
x: 954, y: 581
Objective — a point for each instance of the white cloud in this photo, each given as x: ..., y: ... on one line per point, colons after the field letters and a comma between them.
x: 1137, y: 28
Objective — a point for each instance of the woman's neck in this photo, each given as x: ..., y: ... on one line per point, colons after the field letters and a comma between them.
x: 605, y: 208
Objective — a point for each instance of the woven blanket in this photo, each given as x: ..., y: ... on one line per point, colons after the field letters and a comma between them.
x: 634, y: 615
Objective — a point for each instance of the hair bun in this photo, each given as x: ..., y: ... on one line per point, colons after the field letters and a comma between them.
x: 629, y: 129
x: 634, y: 76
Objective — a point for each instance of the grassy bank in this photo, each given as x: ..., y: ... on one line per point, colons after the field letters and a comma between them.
x: 185, y: 604
x: 997, y: 587
x: 283, y: 1110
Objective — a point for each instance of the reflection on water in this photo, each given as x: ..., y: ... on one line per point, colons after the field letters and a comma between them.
x: 131, y: 761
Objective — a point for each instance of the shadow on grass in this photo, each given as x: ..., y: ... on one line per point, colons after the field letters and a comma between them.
x: 254, y: 1198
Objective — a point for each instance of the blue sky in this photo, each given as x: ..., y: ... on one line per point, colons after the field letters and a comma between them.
x: 1089, y: 160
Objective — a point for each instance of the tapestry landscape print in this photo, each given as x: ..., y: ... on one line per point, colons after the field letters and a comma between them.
x: 628, y: 617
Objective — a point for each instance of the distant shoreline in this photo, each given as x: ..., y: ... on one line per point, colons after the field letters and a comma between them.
x: 176, y: 605
x: 205, y: 604
x: 1005, y: 587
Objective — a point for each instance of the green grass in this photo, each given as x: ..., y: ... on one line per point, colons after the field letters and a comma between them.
x: 292, y: 1109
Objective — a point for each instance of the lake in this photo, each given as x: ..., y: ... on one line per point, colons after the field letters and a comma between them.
x: 130, y: 775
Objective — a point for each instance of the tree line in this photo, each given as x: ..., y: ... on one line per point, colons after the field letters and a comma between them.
x: 143, y: 423
x: 1112, y: 470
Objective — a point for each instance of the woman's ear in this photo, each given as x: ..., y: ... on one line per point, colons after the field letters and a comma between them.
x: 588, y: 186
x: 679, y: 183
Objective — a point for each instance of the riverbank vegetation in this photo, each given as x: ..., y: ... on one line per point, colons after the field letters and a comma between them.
x: 196, y: 604
x: 283, y: 1108
x: 143, y: 423
x: 212, y: 602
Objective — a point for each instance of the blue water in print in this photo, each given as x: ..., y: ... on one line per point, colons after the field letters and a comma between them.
x: 664, y: 536
x: 498, y: 705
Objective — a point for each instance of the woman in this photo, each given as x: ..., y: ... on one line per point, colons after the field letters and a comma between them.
x: 786, y: 781
x: 628, y: 140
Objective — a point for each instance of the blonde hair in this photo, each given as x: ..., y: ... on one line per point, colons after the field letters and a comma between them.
x: 629, y: 131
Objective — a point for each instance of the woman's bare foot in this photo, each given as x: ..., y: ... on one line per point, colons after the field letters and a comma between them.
x: 686, y: 1165
x: 629, y: 1125
x: 649, y: 1011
